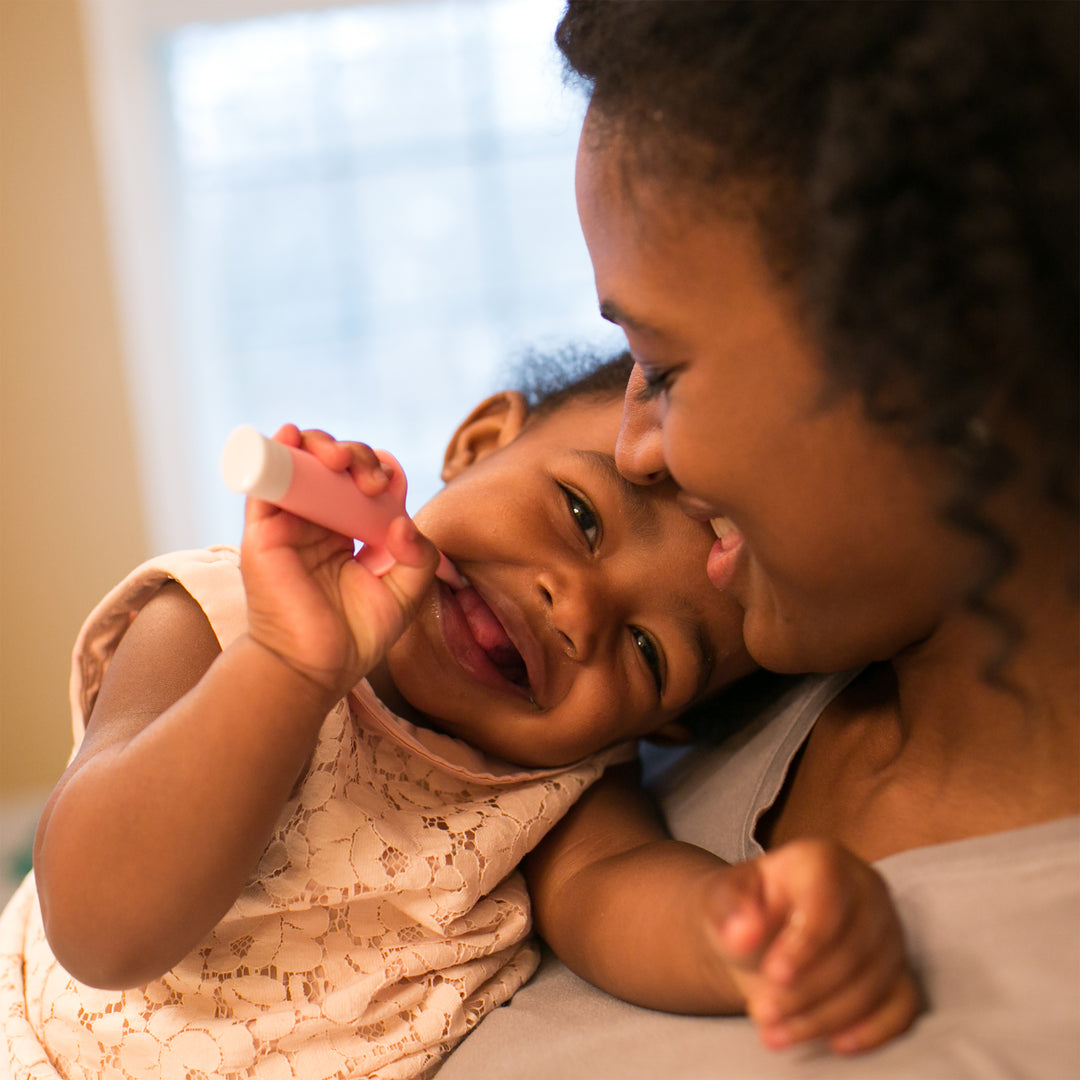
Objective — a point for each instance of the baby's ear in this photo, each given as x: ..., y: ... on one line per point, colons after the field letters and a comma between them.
x: 671, y: 734
x: 491, y: 425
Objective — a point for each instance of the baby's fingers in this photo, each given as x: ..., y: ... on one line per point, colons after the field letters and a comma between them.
x: 893, y: 1016
x: 358, y: 458
x: 378, y: 609
x: 415, y: 559
x: 821, y: 888
x: 410, y: 548
x: 737, y: 923
x: 868, y: 953
x: 873, y: 1006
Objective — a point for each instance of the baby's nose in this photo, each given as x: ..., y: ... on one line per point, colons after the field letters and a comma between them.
x: 578, y: 610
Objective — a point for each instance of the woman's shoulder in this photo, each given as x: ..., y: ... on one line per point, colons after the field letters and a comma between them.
x: 715, y: 791
x: 993, y: 923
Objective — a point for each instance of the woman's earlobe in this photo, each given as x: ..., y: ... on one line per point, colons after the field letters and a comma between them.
x: 493, y: 424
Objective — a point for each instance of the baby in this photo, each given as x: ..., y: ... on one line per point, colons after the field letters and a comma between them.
x: 287, y: 843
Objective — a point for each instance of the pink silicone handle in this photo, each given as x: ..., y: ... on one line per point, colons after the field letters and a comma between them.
x: 333, y: 500
x: 297, y: 481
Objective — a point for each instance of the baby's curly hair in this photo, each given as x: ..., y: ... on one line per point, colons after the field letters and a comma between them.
x: 912, y: 171
x: 548, y: 380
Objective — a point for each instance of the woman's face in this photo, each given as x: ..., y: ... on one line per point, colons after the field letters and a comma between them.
x: 827, y: 532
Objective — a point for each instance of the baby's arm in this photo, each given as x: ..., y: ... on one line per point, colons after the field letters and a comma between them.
x: 155, y: 827
x: 190, y: 752
x: 623, y: 905
x: 804, y: 940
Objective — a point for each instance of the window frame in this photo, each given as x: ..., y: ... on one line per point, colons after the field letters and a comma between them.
x: 130, y: 119
x: 132, y: 123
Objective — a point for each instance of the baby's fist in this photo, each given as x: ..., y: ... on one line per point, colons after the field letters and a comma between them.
x: 812, y: 939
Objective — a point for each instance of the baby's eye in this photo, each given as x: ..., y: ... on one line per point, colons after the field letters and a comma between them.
x: 584, y: 516
x: 649, y: 649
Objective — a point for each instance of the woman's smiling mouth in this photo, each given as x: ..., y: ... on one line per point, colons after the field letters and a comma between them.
x: 723, y: 558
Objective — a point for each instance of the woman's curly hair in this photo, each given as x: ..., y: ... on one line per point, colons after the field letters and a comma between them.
x: 915, y: 170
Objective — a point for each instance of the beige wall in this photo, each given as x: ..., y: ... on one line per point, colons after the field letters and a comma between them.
x: 70, y: 523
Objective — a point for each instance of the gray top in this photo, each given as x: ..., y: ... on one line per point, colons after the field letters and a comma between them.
x: 993, y: 929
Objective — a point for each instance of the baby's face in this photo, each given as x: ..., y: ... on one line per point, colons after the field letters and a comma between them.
x: 588, y: 618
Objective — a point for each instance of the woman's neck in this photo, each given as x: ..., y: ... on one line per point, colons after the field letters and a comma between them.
x: 1005, y: 686
x: 1014, y: 730
x: 927, y: 749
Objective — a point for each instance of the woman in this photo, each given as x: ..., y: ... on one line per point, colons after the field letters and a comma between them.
x: 841, y: 240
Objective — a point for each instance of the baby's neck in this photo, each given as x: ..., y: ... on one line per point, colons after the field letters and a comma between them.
x: 382, y: 682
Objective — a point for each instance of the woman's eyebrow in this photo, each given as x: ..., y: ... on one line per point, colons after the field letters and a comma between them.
x: 612, y: 311
x: 640, y: 510
x: 658, y: 330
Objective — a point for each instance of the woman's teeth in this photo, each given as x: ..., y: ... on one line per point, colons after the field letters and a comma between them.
x: 722, y: 527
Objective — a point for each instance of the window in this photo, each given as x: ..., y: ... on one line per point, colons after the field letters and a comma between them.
x: 353, y: 217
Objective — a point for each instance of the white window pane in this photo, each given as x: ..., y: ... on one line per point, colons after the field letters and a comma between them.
x: 375, y: 212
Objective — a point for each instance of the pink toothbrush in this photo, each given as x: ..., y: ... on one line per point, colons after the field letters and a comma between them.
x: 298, y: 482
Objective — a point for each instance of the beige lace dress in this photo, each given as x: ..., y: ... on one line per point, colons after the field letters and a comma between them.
x: 385, y: 917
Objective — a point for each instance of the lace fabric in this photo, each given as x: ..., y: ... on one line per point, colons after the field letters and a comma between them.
x: 385, y: 918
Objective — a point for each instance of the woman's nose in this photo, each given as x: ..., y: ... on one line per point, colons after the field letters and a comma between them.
x: 639, y: 451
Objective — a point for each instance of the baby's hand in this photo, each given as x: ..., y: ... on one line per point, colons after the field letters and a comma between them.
x: 309, y: 600
x: 810, y: 935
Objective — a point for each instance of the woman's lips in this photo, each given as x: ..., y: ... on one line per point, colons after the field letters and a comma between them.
x: 477, y: 641
x: 723, y: 559
x: 724, y: 556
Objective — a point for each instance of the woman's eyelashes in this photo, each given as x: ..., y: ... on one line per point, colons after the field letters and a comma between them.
x: 655, y: 380
x: 657, y: 383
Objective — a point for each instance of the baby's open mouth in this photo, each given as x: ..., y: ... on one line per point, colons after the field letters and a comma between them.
x: 490, y: 635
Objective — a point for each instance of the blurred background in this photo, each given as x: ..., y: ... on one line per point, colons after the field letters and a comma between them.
x: 352, y: 216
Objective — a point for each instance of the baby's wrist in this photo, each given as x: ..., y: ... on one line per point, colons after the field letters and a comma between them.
x: 292, y: 680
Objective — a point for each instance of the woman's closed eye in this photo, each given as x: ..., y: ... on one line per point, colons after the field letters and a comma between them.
x: 655, y: 381
x: 585, y: 518
x: 656, y: 384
